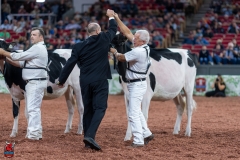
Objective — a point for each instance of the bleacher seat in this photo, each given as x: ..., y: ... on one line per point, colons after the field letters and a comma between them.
x: 187, y: 46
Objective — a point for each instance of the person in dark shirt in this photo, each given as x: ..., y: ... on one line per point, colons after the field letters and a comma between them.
x: 204, y: 56
x: 219, y: 87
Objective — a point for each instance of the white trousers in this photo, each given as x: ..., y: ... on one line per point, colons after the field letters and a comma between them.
x: 33, y: 98
x: 138, y: 123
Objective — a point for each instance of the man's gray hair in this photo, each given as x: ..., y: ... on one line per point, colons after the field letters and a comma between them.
x: 92, y: 27
x: 144, y: 35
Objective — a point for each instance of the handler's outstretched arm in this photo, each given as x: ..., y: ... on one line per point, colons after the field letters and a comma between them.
x: 124, y: 29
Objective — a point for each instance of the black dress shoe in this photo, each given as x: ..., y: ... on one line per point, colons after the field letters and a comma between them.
x: 91, y: 142
x: 149, y: 138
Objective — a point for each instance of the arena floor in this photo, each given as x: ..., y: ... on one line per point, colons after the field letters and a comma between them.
x: 215, y: 132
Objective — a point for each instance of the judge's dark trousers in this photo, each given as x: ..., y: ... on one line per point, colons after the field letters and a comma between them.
x: 94, y: 96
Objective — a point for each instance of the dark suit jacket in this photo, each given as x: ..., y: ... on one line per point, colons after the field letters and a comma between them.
x: 92, y: 57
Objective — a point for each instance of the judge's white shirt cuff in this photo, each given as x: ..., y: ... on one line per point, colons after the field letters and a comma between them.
x: 111, y: 18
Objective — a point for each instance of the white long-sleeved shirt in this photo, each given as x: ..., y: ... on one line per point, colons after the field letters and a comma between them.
x: 35, y: 57
x: 138, y: 61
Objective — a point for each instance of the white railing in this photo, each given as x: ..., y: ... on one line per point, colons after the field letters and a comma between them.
x: 51, y: 16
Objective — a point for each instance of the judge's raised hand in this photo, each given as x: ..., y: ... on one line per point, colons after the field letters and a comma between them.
x: 110, y: 13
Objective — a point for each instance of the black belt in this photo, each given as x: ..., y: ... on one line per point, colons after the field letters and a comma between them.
x: 38, y: 79
x: 136, y: 80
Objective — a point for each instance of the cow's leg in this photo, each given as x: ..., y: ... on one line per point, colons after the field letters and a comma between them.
x: 180, y: 104
x: 70, y: 104
x: 77, y: 91
x: 190, y: 105
x: 16, y: 106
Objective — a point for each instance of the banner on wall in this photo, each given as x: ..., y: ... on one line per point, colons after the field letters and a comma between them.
x: 3, y: 88
x: 202, y: 85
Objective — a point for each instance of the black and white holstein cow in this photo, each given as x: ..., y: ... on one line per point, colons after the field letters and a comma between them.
x: 56, y: 60
x: 171, y: 71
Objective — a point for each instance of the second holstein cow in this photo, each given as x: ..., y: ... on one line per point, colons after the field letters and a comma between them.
x: 56, y: 60
x: 171, y: 71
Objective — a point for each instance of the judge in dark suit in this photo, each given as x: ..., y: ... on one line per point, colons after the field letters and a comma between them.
x: 92, y: 57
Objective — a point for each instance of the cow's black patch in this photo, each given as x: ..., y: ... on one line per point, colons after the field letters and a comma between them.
x: 13, y: 75
x: 152, y: 81
x: 190, y: 62
x: 15, y: 109
x: 157, y: 54
x: 49, y: 89
x: 56, y: 65
x: 190, y: 59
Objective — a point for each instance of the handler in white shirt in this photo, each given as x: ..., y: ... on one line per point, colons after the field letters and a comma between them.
x: 34, y: 62
x: 138, y: 61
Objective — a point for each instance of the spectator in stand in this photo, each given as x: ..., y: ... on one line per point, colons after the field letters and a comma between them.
x: 79, y: 38
x: 29, y: 5
x: 218, y: 28
x: 55, y: 33
x: 126, y: 21
x: 198, y: 33
x: 72, y: 25
x: 21, y: 11
x: 60, y: 25
x: 233, y: 28
x: 160, y: 23
x: 208, y: 33
x: 26, y: 45
x: 18, y: 28
x: 6, y: 25
x: 5, y: 34
x: 124, y: 8
x: 205, y: 24
x: 200, y: 26
x: 36, y: 10
x: 62, y: 8
x: 6, y: 10
x: 228, y: 57
x: 217, y: 53
x: 169, y: 6
x: 237, y: 17
x: 170, y: 31
x: 202, y: 41
x: 190, y: 39
x: 225, y: 20
x: 132, y: 8
x: 219, y: 87
x: 37, y: 22
x: 236, y: 50
x: 227, y: 10
x: 204, y: 56
x: 216, y: 6
x: 219, y: 41
x: 54, y: 8
x: 22, y: 22
x: 236, y: 9
x: 156, y: 36
x: 60, y: 44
